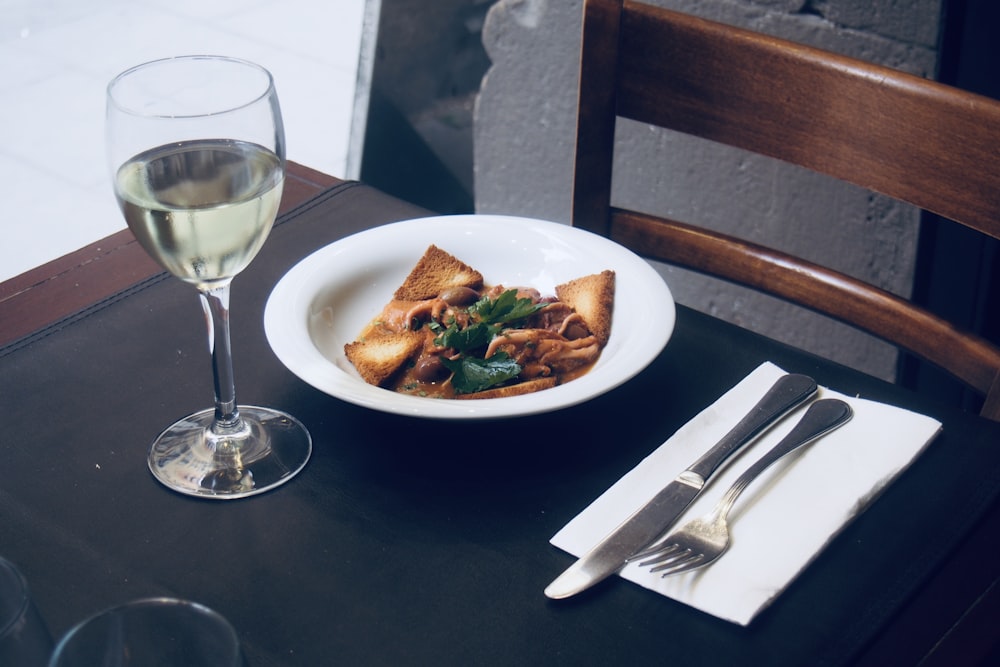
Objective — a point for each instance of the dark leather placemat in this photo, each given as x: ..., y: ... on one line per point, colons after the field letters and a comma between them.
x: 410, y: 541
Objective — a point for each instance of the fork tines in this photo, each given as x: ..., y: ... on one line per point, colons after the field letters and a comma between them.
x: 672, y: 558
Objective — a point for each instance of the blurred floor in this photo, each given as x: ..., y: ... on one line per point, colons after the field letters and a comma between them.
x: 56, y: 57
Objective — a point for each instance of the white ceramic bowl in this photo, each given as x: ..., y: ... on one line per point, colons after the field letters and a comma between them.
x: 326, y: 299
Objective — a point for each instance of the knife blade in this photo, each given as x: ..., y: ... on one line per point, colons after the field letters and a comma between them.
x: 651, y: 520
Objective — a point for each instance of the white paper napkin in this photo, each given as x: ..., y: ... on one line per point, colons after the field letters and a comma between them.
x: 784, y: 519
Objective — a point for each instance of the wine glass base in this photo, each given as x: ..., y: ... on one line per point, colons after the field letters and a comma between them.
x: 264, y: 451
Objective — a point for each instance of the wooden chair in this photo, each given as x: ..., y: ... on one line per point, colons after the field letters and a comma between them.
x: 909, y: 138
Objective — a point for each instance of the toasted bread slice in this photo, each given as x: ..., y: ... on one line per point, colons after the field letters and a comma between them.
x: 435, y: 272
x: 527, y: 387
x: 593, y: 297
x: 378, y: 359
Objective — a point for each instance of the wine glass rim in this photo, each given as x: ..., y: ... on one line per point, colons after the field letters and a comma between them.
x: 25, y: 596
x: 267, y: 90
x: 162, y: 601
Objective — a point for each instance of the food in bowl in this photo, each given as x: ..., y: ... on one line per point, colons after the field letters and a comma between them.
x: 447, y: 334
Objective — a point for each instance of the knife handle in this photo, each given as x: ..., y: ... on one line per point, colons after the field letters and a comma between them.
x: 789, y: 391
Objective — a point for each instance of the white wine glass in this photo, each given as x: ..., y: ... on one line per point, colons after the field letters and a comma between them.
x: 197, y: 155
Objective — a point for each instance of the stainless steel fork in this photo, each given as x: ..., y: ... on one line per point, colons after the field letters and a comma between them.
x: 701, y: 541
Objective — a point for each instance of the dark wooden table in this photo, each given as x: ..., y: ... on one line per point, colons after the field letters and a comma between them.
x: 409, y: 541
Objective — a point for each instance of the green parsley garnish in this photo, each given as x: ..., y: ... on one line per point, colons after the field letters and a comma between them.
x: 505, y: 309
x: 471, y: 374
x: 488, y: 317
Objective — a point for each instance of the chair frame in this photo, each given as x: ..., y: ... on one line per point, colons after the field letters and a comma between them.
x: 718, y: 82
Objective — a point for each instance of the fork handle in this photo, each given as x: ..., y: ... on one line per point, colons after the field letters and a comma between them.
x: 822, y: 417
x: 789, y: 391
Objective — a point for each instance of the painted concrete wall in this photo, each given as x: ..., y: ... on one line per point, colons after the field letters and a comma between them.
x: 524, y: 133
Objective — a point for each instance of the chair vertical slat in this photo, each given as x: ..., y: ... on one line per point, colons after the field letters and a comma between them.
x: 595, y: 139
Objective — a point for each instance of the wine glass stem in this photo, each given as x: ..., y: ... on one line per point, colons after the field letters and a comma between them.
x: 215, y: 301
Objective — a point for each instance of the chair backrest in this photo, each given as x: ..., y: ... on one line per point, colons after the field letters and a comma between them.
x: 718, y: 82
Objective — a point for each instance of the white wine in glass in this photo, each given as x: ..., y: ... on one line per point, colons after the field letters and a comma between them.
x: 197, y: 156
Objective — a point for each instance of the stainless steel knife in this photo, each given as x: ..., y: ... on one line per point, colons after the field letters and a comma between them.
x: 653, y: 519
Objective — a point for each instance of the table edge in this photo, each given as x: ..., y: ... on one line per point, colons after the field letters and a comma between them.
x: 47, y: 293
